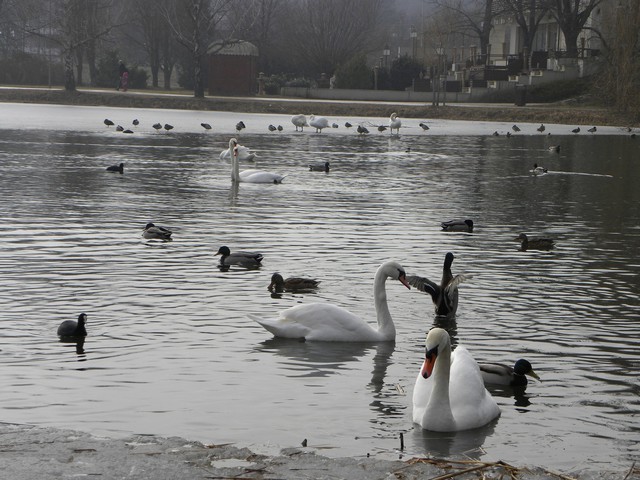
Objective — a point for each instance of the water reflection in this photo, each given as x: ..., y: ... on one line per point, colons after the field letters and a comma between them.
x: 467, y: 443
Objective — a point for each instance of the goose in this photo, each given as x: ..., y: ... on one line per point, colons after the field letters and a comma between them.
x: 424, y: 126
x: 116, y: 168
x: 499, y: 374
x: 241, y: 259
x: 73, y: 329
x: 244, y: 153
x: 206, y: 126
x: 457, y: 226
x: 445, y: 295
x: 515, y: 128
x: 541, y: 128
x: 394, y: 123
x: 157, y: 126
x: 252, y: 175
x: 299, y: 121
x: 292, y: 284
x: 320, y: 167
x: 536, y: 170
x: 534, y: 243
x: 329, y: 323
x: 108, y: 122
x: 154, y: 232
x: 449, y: 394
x: 318, y: 123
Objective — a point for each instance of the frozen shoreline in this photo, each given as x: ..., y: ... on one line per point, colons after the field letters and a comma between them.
x: 30, y: 452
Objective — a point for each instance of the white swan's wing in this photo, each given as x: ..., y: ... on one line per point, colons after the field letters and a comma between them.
x: 260, y: 176
x: 319, y: 321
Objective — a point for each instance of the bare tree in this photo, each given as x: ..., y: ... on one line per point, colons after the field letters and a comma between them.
x: 528, y: 14
x: 194, y: 24
x: 260, y: 24
x: 572, y: 16
x: 325, y: 33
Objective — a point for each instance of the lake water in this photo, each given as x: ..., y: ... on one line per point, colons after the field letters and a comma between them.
x: 171, y: 349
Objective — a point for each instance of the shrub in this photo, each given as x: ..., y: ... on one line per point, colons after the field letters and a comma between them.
x: 354, y: 74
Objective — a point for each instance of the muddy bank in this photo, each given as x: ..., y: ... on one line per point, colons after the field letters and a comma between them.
x: 567, y: 113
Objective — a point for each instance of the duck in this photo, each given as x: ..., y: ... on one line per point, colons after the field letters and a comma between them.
x: 244, y: 153
x: 299, y: 121
x: 537, y: 170
x: 458, y: 225
x: 72, y: 328
x: 534, y: 243
x: 320, y: 167
x: 541, y: 128
x: 168, y: 126
x: 241, y: 259
x: 108, y: 123
x: 157, y: 126
x: 280, y: 128
x: 515, y: 128
x: 576, y: 130
x: 292, y: 284
x: 127, y: 130
x: 499, y: 374
x: 136, y: 122
x: 362, y: 130
x: 318, y: 123
x: 116, y: 168
x: 206, y: 126
x: 394, y: 123
x: 424, y: 126
x: 272, y: 128
x: 154, y: 232
x: 554, y: 148
x: 449, y: 394
x: 119, y: 128
x: 240, y: 125
x: 593, y: 129
x: 445, y: 295
x: 348, y: 125
x: 381, y: 128
x: 251, y: 175
x: 330, y: 323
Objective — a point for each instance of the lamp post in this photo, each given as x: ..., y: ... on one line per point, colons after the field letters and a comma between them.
x: 436, y: 83
x: 414, y: 43
x: 386, y: 52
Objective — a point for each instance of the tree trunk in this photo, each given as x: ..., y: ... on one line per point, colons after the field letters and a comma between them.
x: 69, y: 80
x: 167, y: 77
x: 79, y: 65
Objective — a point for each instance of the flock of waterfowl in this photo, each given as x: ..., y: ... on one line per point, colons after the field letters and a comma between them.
x: 449, y: 392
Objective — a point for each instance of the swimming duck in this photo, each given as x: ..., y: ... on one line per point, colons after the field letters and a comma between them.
x: 116, y: 168
x: 554, y: 148
x: 458, y: 226
x: 499, y: 374
x: 73, y: 329
x: 329, y: 323
x: 534, y: 243
x: 292, y: 284
x: 241, y: 259
x: 449, y: 394
x: 320, y: 167
x: 154, y: 232
x: 445, y: 295
x: 536, y: 170
x: 394, y: 123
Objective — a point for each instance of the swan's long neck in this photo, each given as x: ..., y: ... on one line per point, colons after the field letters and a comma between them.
x: 385, y: 324
x: 439, y: 401
x: 235, y: 167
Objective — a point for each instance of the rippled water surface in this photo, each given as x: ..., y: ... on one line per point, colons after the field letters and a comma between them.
x: 171, y: 349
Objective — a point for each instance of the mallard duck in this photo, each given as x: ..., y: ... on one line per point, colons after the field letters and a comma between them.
x: 206, y: 126
x: 449, y: 394
x: 535, y: 243
x: 108, y: 122
x: 326, y: 322
x: 424, y: 126
x: 515, y: 128
x: 272, y: 128
x: 72, y: 329
x: 445, y: 295
x: 241, y: 259
x: 541, y: 128
x: 154, y: 232
x: 319, y: 167
x: 458, y: 226
x: 394, y: 123
x: 168, y: 126
x: 499, y: 374
x: 116, y: 168
x: 279, y: 284
x: 576, y: 130
x: 536, y: 170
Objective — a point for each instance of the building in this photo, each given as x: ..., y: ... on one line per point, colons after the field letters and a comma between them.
x: 233, y: 68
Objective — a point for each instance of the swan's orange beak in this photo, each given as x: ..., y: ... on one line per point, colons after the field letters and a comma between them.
x: 429, y: 363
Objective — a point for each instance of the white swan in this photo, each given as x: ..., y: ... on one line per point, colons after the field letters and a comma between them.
x: 394, y: 123
x: 249, y: 176
x: 318, y: 123
x: 244, y: 154
x: 330, y: 323
x: 449, y: 394
x: 299, y: 121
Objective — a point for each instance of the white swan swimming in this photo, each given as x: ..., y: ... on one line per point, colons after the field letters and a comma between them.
x: 244, y: 154
x: 330, y: 323
x: 249, y: 176
x: 449, y: 393
x: 299, y: 121
x: 318, y: 123
x: 394, y: 123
